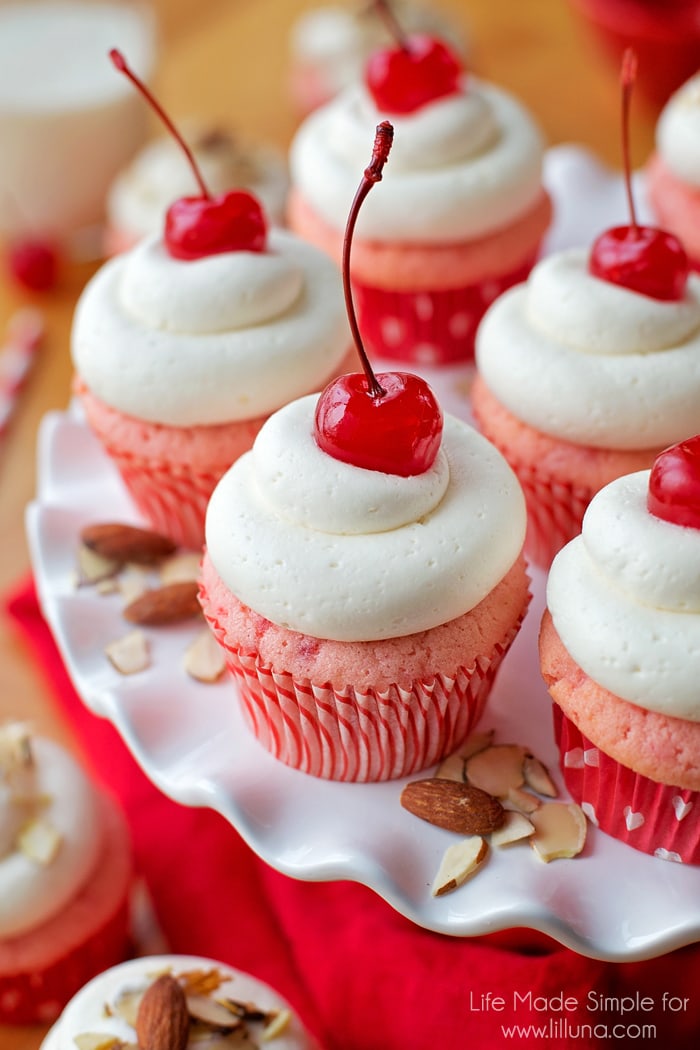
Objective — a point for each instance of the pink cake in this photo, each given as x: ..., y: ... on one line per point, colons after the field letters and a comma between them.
x: 462, y: 213
x: 65, y: 879
x: 618, y: 654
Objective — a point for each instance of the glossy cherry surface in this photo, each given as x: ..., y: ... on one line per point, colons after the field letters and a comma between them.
x: 197, y: 227
x: 642, y: 258
x: 674, y: 484
x: 402, y: 79
x: 34, y: 264
x: 392, y: 422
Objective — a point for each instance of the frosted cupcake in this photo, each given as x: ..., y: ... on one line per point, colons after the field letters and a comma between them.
x: 139, y: 197
x: 185, y: 344
x: 620, y: 653
x: 186, y: 1000
x: 329, y: 45
x: 65, y: 878
x: 461, y: 218
x: 673, y: 172
x: 363, y: 574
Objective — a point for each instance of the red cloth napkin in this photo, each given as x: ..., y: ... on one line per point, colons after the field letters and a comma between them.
x: 361, y: 976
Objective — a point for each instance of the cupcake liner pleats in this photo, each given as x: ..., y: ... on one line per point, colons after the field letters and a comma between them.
x: 658, y: 819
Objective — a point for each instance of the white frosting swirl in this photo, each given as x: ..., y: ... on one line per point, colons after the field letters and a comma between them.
x: 625, y: 600
x: 228, y: 337
x: 678, y: 132
x: 593, y: 363
x: 459, y: 167
x: 55, y: 791
x: 94, y: 1009
x: 337, y: 551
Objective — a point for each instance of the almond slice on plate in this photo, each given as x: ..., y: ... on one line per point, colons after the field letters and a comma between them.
x: 277, y: 1024
x: 497, y: 769
x: 514, y: 828
x: 525, y: 801
x: 204, y: 658
x: 451, y: 768
x: 94, y: 568
x: 537, y: 777
x: 129, y: 654
x: 560, y: 830
x: 476, y: 742
x: 181, y: 566
x: 40, y: 841
x: 459, y: 862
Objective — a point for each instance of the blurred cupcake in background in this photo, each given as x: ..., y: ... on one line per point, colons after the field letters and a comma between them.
x: 141, y: 194
x: 330, y: 43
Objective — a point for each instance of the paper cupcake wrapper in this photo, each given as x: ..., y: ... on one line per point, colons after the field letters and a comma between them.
x: 428, y: 327
x: 38, y: 996
x: 351, y: 735
x: 654, y: 818
x: 173, y: 501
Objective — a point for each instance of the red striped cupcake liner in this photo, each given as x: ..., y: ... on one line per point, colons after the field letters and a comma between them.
x: 173, y: 500
x: 429, y: 327
x: 658, y: 819
x: 354, y: 735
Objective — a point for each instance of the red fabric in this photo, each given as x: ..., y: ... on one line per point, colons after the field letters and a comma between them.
x: 361, y: 976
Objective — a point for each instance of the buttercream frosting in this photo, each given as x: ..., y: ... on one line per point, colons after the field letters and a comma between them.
x: 678, y: 132
x: 625, y: 600
x: 49, y: 790
x: 337, y: 551
x: 160, y: 174
x: 95, y: 1008
x: 227, y: 337
x: 460, y: 167
x: 590, y: 362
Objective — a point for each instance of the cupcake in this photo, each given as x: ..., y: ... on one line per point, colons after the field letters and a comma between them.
x: 139, y: 197
x: 464, y: 213
x: 363, y: 574
x: 329, y: 45
x: 185, y: 344
x: 673, y: 171
x: 620, y: 653
x: 65, y: 878
x: 177, y: 1001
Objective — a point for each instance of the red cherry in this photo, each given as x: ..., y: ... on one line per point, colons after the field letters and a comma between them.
x: 674, y: 484
x: 402, y: 79
x: 391, y: 422
x: 641, y: 258
x: 196, y: 227
x: 34, y: 264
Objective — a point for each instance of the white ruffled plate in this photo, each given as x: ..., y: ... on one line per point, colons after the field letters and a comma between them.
x: 610, y: 903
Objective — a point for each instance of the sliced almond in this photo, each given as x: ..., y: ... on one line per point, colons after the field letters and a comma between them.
x: 162, y: 606
x: 40, y: 841
x: 15, y: 747
x: 122, y: 543
x: 278, y: 1023
x: 99, y: 1041
x: 454, y: 806
x: 497, y: 769
x: 476, y: 742
x: 204, y: 658
x: 212, y: 1013
x: 129, y: 654
x: 202, y: 982
x: 126, y: 1005
x: 93, y: 568
x: 133, y: 582
x: 180, y: 567
x: 458, y: 863
x: 514, y: 828
x: 537, y: 777
x: 560, y: 830
x: 451, y: 768
x: 162, y: 1022
x: 525, y: 801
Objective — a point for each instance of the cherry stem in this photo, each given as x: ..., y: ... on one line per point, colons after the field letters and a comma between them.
x: 627, y: 78
x: 119, y: 62
x: 373, y: 173
x: 386, y: 13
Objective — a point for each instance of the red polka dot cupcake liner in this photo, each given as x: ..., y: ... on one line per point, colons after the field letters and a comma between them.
x: 354, y: 735
x: 658, y: 819
x: 428, y: 327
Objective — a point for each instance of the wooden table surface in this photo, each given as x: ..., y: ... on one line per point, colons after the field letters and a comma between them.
x: 227, y: 59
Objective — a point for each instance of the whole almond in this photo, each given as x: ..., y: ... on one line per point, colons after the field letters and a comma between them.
x: 164, y: 605
x: 123, y: 543
x: 454, y: 806
x: 162, y: 1021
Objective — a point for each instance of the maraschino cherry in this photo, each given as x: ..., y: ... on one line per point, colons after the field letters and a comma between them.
x: 390, y: 422
x: 420, y: 69
x: 674, y: 484
x: 642, y: 258
x: 196, y: 227
x: 34, y: 264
